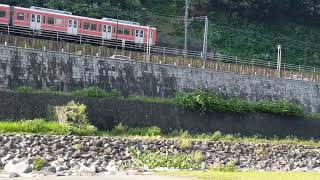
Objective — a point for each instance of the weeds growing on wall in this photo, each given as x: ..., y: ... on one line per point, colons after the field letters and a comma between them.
x: 208, y: 102
x: 202, y: 101
x: 96, y: 92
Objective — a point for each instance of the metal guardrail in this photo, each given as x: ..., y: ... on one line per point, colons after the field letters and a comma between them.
x: 159, y: 50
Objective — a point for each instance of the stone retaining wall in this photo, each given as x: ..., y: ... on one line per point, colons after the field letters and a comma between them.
x: 95, y: 153
x: 41, y: 69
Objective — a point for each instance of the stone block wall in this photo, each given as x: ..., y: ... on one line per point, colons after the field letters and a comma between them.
x: 42, y: 69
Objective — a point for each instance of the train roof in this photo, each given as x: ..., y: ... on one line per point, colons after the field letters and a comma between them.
x: 50, y: 10
x: 58, y: 12
x: 4, y: 5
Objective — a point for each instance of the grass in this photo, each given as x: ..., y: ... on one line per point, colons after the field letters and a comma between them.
x: 186, y: 138
x: 40, y: 126
x: 215, y: 175
x: 159, y: 159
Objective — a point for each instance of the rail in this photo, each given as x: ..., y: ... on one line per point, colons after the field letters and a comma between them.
x: 296, y: 71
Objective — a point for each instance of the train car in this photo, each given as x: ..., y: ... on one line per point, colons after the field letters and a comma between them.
x: 4, y: 14
x: 36, y: 18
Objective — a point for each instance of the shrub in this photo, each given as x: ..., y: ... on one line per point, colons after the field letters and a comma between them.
x: 185, y: 144
x: 24, y: 89
x: 37, y: 164
x: 73, y: 113
x: 216, y: 136
x: 96, y: 92
x: 229, y: 167
x: 119, y: 129
x: 208, y: 102
x: 158, y: 159
x: 78, y: 147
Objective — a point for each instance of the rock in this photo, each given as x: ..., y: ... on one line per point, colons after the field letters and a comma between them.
x: 98, y: 143
x: 59, y: 168
x: 91, y: 169
x: 49, y: 170
x: 7, y: 157
x: 21, y: 167
x: 11, y: 175
x: 112, y: 167
x: 86, y: 156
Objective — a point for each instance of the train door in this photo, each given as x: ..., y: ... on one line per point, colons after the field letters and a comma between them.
x: 107, y: 32
x: 73, y: 27
x: 150, y: 37
x: 139, y: 36
x: 35, y: 21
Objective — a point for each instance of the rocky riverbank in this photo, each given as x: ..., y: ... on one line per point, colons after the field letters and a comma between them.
x: 72, y: 155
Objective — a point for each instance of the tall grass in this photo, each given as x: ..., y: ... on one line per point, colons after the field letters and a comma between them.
x: 40, y: 126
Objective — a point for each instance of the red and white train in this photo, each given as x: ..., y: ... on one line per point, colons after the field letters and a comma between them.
x: 35, y: 18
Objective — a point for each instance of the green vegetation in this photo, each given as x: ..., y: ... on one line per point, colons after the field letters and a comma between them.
x: 37, y: 164
x: 158, y: 159
x: 229, y: 167
x: 40, y: 126
x: 24, y: 89
x: 185, y: 144
x: 95, y: 92
x: 202, y: 101
x: 78, y: 147
x: 186, y: 138
x: 215, y: 175
x: 121, y: 129
x: 208, y: 102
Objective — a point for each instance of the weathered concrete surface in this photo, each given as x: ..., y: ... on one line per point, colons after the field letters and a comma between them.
x: 43, y: 69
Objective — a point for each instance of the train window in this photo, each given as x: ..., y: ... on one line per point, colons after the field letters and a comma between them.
x: 93, y: 27
x: 20, y: 16
x: 43, y: 19
x: 58, y: 22
x: 38, y: 18
x: 120, y: 30
x: 50, y: 20
x: 2, y: 13
x: 86, y: 25
x: 109, y: 29
x: 126, y: 32
x: 75, y: 24
x: 137, y: 33
x: 33, y: 17
x: 70, y: 23
x: 141, y: 33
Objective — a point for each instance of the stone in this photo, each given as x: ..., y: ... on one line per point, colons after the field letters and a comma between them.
x: 86, y: 156
x: 7, y: 157
x: 112, y: 167
x: 11, y: 175
x: 59, y: 168
x: 85, y: 169
x: 49, y: 169
x: 21, y: 167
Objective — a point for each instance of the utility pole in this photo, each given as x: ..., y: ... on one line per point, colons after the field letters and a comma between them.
x: 117, y: 28
x: 186, y: 16
x: 279, y: 61
x: 205, y: 40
